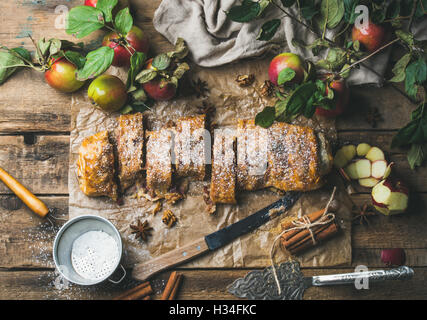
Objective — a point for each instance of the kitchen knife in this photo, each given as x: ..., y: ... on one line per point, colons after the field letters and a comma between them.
x: 213, y: 241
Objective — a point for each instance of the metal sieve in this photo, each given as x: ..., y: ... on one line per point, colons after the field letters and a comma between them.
x: 87, y: 250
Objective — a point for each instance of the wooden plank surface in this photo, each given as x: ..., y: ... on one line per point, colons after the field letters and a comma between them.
x: 34, y: 145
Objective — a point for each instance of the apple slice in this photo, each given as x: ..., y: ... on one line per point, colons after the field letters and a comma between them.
x: 368, y: 182
x: 344, y: 155
x: 375, y: 154
x: 363, y: 168
x: 351, y: 171
x: 388, y: 170
x: 362, y: 149
x: 390, y: 197
x: 379, y: 169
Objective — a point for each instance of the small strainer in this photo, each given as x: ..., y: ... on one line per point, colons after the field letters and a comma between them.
x: 87, y: 250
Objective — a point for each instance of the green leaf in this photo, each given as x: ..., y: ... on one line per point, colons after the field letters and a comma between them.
x: 266, y: 117
x: 247, y: 11
x: 400, y: 67
x: 417, y: 154
x: 285, y: 75
x: 378, y: 16
x: 137, y: 61
x: 181, y: 50
x: 83, y: 20
x: 8, y: 65
x: 350, y: 10
x: 298, y: 100
x: 308, y: 9
x: 139, y: 95
x: 146, y: 75
x: 123, y: 21
x: 407, y: 37
x: 288, y: 3
x: 24, y: 53
x: 43, y: 46
x: 180, y: 70
x: 415, y: 131
x: 416, y: 73
x: 107, y: 6
x: 75, y: 58
x: 268, y: 30
x: 161, y: 61
x: 332, y: 12
x: 97, y: 62
x: 55, y: 46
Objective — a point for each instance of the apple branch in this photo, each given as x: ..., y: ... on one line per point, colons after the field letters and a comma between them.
x: 369, y: 56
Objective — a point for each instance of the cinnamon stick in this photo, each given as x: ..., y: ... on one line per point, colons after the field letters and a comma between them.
x: 289, y: 224
x: 169, y: 286
x: 140, y: 291
x: 302, y: 235
x: 321, y: 234
x: 175, y: 289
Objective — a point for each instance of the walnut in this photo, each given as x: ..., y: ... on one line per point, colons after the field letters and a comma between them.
x: 245, y: 80
x: 267, y: 88
x: 169, y: 218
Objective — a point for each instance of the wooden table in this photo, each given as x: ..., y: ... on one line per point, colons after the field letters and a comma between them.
x: 35, y: 125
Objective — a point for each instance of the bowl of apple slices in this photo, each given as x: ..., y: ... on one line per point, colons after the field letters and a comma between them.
x: 368, y: 165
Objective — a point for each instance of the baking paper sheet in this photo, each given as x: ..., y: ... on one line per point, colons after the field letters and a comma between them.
x: 232, y: 102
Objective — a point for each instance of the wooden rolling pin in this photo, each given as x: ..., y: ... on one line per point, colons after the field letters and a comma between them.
x: 34, y: 203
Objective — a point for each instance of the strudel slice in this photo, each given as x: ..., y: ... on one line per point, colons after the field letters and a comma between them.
x: 223, y: 181
x: 159, y: 161
x: 95, y: 166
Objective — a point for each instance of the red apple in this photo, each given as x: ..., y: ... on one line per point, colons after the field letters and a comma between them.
x: 91, y: 3
x: 393, y: 257
x: 121, y: 4
x: 135, y: 40
x: 372, y: 37
x: 390, y: 196
x: 158, y: 89
x: 61, y: 75
x: 341, y: 98
x: 286, y: 60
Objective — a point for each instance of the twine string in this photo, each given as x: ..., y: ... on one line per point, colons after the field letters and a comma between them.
x: 300, y: 225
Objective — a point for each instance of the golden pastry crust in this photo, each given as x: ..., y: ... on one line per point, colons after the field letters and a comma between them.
x: 95, y: 166
x: 293, y: 162
x: 252, y: 144
x: 223, y: 181
x: 159, y: 161
x: 190, y: 147
x: 130, y: 146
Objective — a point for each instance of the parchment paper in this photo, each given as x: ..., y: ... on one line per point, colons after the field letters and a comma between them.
x: 232, y: 102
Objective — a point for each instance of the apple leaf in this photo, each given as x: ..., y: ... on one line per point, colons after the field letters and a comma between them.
x: 268, y: 30
x: 350, y: 14
x: 161, y: 61
x: 146, y: 75
x: 181, y: 50
x: 180, y: 70
x: 308, y: 9
x: 136, y: 64
x: 400, y: 67
x: 8, y: 65
x: 97, y: 62
x: 266, y: 117
x: 107, y: 6
x: 416, y: 73
x: 285, y: 75
x: 331, y: 12
x: 247, y: 11
x: 83, y: 20
x: 123, y: 21
x: 417, y: 154
x: 75, y: 58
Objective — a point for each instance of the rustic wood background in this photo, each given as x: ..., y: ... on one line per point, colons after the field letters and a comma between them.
x: 35, y: 125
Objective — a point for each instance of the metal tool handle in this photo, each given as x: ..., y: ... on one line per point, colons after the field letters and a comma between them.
x: 401, y: 273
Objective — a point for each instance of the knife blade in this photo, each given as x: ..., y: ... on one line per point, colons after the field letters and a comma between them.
x: 215, y: 240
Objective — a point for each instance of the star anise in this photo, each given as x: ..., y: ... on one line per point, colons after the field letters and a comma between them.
x: 245, y: 80
x: 267, y: 88
x: 363, y: 213
x: 373, y: 116
x: 141, y: 230
x: 200, y: 88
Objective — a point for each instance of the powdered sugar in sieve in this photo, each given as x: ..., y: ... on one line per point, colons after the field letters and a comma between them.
x: 94, y: 255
